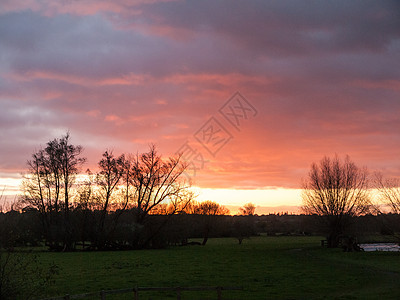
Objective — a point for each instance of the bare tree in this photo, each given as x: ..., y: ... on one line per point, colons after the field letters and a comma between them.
x: 84, y: 208
x: 68, y: 161
x: 336, y: 191
x: 389, y: 198
x: 243, y: 224
x: 247, y: 210
x: 107, y: 180
x: 156, y: 181
x: 41, y: 191
x: 208, y: 209
x: 389, y: 192
x: 126, y: 182
x: 2, y: 205
x: 51, y: 174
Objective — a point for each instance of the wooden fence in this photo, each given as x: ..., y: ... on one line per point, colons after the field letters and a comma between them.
x: 102, y: 294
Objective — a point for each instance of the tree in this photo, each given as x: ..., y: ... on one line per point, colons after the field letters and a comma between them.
x: 156, y: 181
x: 47, y: 186
x: 85, y: 205
x: 107, y: 180
x: 389, y: 192
x: 336, y: 191
x: 243, y: 227
x: 1, y: 200
x: 247, y: 210
x: 41, y: 191
x: 243, y: 224
x: 209, y: 210
x: 389, y: 196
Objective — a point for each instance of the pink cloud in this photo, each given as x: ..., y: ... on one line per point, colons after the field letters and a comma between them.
x: 93, y: 113
x: 324, y: 80
x: 114, y: 119
x: 90, y: 7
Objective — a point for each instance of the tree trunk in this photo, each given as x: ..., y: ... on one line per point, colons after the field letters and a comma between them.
x: 333, y: 240
x: 206, y: 234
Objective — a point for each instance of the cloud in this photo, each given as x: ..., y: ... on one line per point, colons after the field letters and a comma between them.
x: 324, y: 79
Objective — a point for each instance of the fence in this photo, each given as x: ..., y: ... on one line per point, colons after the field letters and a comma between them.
x: 136, y: 290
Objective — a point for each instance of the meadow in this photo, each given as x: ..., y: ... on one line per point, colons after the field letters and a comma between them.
x: 266, y: 268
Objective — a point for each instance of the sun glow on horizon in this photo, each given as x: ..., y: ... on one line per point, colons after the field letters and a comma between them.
x: 259, y: 197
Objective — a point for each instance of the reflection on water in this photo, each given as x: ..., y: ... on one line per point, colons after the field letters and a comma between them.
x: 380, y: 247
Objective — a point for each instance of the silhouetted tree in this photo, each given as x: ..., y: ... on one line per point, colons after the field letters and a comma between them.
x: 337, y: 191
x: 127, y: 189
x: 47, y: 186
x: 2, y: 204
x: 156, y: 181
x: 389, y: 196
x: 107, y: 179
x: 85, y: 205
x: 247, y: 210
x: 243, y: 225
x: 389, y: 192
x: 41, y: 191
x: 208, y: 209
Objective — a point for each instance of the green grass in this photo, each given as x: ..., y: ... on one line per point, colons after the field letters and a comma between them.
x: 266, y: 268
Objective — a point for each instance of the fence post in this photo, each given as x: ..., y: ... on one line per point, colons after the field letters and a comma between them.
x: 219, y: 293
x: 103, y: 295
x: 178, y: 293
x: 136, y: 293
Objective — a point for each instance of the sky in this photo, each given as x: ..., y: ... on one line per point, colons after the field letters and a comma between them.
x: 252, y: 92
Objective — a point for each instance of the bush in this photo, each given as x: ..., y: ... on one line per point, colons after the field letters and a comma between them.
x: 21, y: 277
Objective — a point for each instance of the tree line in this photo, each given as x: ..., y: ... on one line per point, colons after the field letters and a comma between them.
x: 128, y: 203
x: 145, y: 200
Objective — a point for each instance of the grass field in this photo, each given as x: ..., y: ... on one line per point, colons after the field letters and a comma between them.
x: 266, y: 268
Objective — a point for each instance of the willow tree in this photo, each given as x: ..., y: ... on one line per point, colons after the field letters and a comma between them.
x: 337, y: 191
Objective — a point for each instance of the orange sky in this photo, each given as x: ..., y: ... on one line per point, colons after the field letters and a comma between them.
x: 314, y: 80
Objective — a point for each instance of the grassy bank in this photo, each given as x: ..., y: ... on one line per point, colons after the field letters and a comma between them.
x: 266, y: 268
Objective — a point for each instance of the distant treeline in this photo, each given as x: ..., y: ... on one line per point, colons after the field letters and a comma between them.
x: 143, y: 200
x: 22, y: 229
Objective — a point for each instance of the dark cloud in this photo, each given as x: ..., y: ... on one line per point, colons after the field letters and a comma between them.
x: 282, y: 28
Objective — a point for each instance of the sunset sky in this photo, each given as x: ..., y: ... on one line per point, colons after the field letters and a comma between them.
x: 314, y: 78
